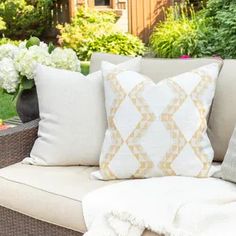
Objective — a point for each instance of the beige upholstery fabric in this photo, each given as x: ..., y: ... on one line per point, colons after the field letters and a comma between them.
x: 223, y: 115
x: 51, y: 194
x: 156, y: 69
x: 228, y: 168
x: 97, y: 58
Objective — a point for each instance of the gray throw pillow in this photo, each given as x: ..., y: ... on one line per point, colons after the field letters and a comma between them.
x: 228, y: 169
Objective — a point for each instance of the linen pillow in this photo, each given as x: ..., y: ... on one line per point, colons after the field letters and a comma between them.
x: 157, y: 129
x: 72, y: 116
x: 228, y: 169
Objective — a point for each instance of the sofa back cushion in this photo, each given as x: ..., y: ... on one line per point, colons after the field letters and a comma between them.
x: 223, y: 116
x: 156, y: 69
x: 72, y: 116
x: 222, y: 119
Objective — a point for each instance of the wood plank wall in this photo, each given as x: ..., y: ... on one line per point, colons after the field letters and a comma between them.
x: 121, y: 5
x: 144, y: 15
x: 60, y: 13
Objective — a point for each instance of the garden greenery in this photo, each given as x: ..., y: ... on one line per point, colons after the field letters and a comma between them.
x: 24, y: 18
x: 95, y: 31
x: 197, y: 34
x: 2, y: 24
x: 183, y: 32
x: 8, y: 41
x: 223, y: 15
x: 4, y: 40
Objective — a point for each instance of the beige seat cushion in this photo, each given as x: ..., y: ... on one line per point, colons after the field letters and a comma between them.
x: 51, y: 194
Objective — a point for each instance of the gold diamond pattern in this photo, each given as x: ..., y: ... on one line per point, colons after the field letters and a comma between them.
x: 198, y: 136
x: 179, y: 140
x: 147, y: 118
x: 116, y: 136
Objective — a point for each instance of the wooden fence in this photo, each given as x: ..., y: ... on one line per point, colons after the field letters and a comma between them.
x: 121, y: 5
x: 60, y: 13
x: 144, y: 15
x: 63, y: 10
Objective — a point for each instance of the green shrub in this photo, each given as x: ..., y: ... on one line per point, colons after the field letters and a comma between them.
x: 182, y: 33
x: 2, y: 24
x: 222, y: 14
x: 6, y: 40
x: 24, y: 18
x: 95, y: 31
x: 86, y: 15
x: 211, y: 31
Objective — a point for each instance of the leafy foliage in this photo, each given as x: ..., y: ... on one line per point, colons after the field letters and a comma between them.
x: 95, y: 31
x: 2, y: 24
x: 24, y: 18
x: 8, y: 41
x: 223, y: 21
x: 182, y: 33
x: 204, y: 33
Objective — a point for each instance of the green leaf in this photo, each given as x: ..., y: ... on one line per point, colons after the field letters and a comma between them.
x: 51, y: 47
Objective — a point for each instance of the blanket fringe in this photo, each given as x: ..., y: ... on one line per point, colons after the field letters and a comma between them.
x: 128, y: 221
x: 98, y: 232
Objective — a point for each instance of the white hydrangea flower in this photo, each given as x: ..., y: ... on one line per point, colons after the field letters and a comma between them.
x: 8, y: 51
x: 9, y: 78
x: 22, y: 45
x: 27, y: 59
x: 43, y: 45
x: 65, y: 59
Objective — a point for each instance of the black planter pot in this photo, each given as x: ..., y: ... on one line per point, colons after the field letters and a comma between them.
x: 27, y: 105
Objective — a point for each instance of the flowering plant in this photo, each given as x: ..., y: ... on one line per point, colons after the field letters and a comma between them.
x: 185, y: 57
x: 18, y: 63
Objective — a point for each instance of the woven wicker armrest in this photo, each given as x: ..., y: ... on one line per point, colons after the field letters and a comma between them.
x: 16, y: 143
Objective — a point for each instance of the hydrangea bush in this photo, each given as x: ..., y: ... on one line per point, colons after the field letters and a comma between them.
x: 18, y: 63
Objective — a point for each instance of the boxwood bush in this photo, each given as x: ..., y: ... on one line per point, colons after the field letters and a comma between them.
x: 95, y: 31
x: 24, y: 18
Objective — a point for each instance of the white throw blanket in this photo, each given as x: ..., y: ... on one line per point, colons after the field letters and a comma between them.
x: 173, y: 206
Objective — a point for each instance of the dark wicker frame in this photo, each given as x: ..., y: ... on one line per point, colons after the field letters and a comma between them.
x: 16, y: 144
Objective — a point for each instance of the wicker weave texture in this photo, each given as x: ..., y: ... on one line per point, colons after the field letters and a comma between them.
x: 15, y: 224
x: 16, y: 143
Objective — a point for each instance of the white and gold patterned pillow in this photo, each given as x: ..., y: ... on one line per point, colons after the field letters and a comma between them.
x: 157, y: 129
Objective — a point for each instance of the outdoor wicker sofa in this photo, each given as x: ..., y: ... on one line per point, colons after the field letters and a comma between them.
x: 16, y: 144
